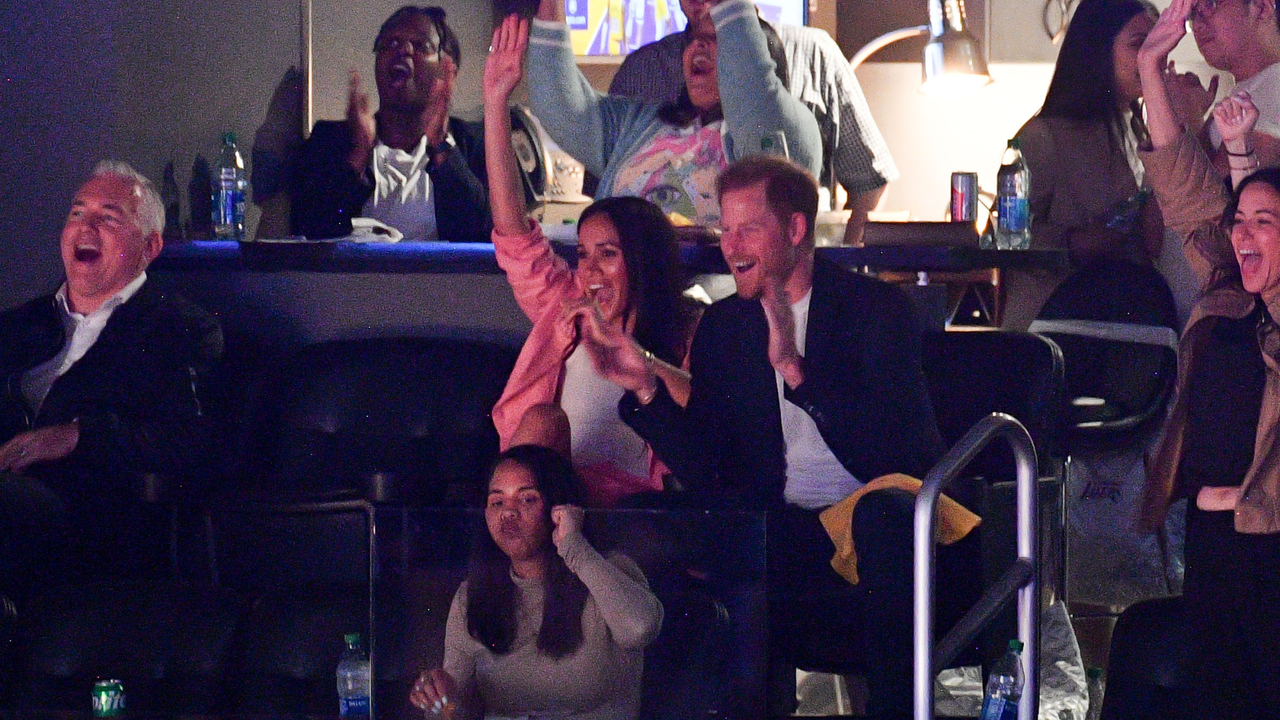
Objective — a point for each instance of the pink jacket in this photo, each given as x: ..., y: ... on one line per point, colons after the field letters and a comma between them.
x: 542, y: 282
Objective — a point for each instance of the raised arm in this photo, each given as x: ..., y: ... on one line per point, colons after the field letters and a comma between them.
x: 1190, y: 191
x: 756, y: 104
x: 537, y: 275
x: 1153, y: 61
x: 502, y: 73
x: 581, y: 121
x: 1236, y: 116
x: 632, y: 612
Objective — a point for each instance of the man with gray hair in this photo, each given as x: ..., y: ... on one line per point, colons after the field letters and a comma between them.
x: 100, y: 387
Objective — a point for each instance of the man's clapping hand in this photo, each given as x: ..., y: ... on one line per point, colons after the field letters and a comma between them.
x: 45, y: 444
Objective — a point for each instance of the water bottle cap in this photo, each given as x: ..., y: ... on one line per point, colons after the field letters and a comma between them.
x: 228, y: 138
x: 1015, y: 645
x: 1015, y: 143
x: 352, y: 638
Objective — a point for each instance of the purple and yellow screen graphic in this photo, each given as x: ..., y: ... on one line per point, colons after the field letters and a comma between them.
x: 616, y: 27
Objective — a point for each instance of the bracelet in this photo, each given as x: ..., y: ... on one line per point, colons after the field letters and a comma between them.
x: 650, y: 363
x: 1247, y: 153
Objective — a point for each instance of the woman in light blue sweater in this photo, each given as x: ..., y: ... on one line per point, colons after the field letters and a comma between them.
x: 733, y: 105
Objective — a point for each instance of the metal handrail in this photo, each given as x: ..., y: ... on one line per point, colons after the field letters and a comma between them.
x: 1021, y: 578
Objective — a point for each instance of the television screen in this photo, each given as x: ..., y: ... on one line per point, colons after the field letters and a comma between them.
x: 616, y: 27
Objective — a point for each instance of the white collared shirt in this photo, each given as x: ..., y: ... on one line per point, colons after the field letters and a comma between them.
x: 815, y: 478
x: 403, y: 196
x: 81, y: 332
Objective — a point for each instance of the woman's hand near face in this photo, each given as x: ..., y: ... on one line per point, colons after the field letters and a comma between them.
x: 567, y: 520
x: 614, y: 353
x: 1163, y: 120
x: 435, y: 692
x: 1235, y: 117
x: 1168, y: 31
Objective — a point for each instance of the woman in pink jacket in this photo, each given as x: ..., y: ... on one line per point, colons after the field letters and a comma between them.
x: 626, y: 289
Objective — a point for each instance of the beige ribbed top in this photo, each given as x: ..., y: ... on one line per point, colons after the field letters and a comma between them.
x: 599, y: 681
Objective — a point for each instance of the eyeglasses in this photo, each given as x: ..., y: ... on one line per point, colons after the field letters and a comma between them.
x: 397, y: 45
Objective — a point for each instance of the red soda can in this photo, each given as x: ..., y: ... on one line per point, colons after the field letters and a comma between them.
x: 964, y: 196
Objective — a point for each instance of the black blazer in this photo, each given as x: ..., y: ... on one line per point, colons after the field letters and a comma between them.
x: 864, y: 388
x: 139, y: 392
x: 326, y: 194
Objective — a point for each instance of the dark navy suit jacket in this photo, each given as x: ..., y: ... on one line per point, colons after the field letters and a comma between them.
x: 864, y: 388
x: 326, y: 194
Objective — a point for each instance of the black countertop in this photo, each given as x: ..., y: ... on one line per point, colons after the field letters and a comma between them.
x: 478, y: 258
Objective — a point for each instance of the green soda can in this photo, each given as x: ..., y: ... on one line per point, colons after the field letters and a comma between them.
x: 108, y: 698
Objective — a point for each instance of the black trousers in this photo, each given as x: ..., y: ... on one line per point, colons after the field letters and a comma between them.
x: 1232, y: 592
x: 865, y: 627
x: 56, y: 530
x: 33, y: 532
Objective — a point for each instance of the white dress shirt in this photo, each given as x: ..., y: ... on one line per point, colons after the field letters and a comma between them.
x: 81, y: 332
x: 403, y: 196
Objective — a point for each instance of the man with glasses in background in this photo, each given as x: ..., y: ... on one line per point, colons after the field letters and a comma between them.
x: 1241, y: 37
x: 410, y: 165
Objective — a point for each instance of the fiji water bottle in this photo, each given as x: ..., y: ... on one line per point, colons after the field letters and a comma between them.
x: 353, y: 679
x: 1004, y: 686
x: 1097, y: 689
x: 1013, y: 200
x: 228, y: 185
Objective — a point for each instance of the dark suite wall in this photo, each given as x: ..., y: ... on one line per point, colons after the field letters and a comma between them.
x: 58, y: 68
x: 146, y: 81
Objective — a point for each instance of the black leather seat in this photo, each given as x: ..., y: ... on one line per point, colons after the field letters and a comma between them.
x: 169, y: 642
x: 338, y: 430
x: 385, y: 418
x: 1117, y: 326
x: 971, y: 374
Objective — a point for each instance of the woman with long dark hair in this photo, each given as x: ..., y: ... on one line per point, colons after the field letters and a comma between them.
x: 1082, y: 154
x: 1221, y: 450
x: 628, y: 279
x: 544, y: 625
